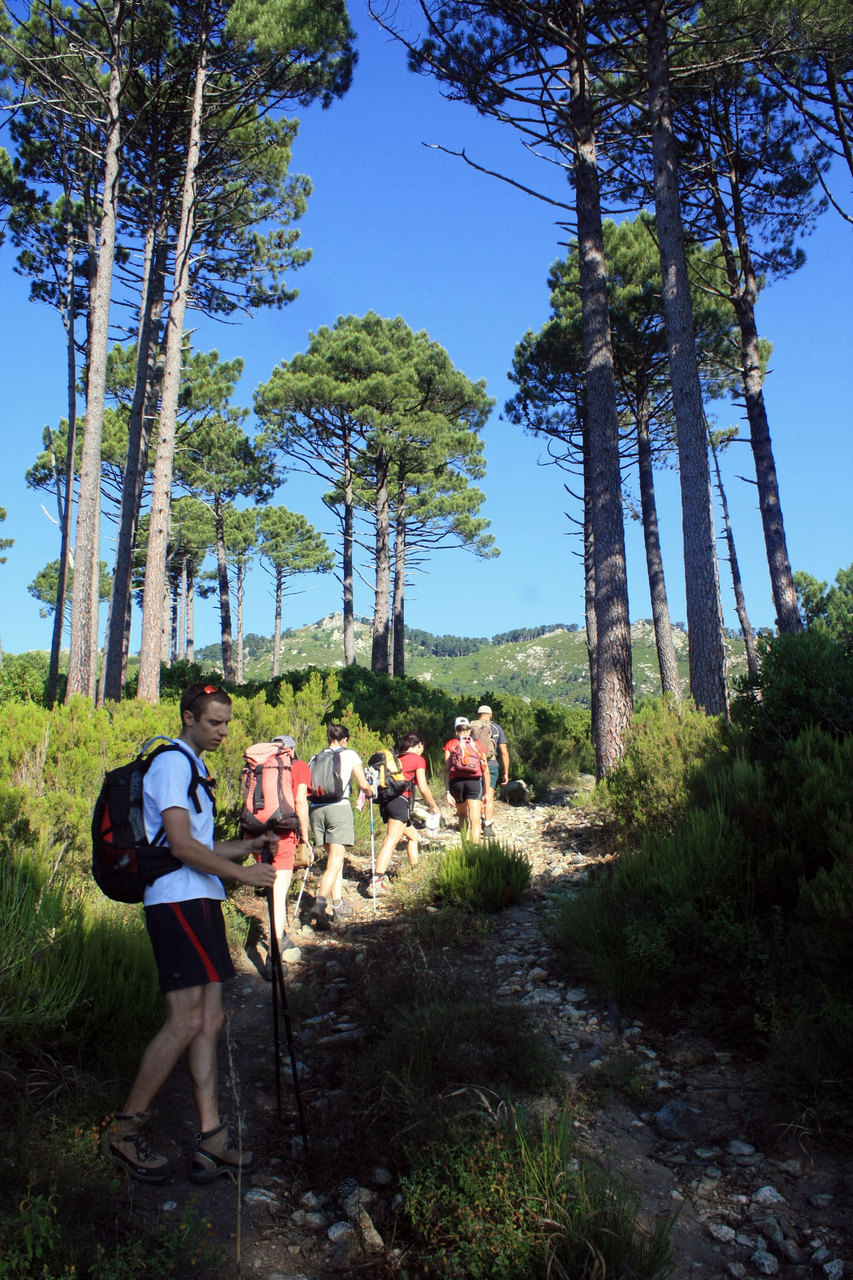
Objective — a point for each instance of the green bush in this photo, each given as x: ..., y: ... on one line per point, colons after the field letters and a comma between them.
x: 805, y: 680
x: 482, y: 877
x: 666, y: 747
x: 739, y: 912
x: 23, y: 677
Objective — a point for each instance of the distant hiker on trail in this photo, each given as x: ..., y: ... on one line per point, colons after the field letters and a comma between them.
x: 465, y: 770
x: 332, y: 771
x: 184, y: 919
x: 492, y: 737
x: 397, y: 811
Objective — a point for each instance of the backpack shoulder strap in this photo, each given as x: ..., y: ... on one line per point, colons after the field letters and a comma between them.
x: 196, y: 779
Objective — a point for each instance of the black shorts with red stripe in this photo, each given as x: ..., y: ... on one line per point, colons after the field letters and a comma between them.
x: 189, y: 943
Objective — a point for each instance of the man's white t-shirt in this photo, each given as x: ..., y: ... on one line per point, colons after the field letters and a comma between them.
x: 166, y: 786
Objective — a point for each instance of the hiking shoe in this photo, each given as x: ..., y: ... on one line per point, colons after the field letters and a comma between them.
x: 379, y: 885
x: 342, y: 910
x: 129, y: 1145
x: 217, y: 1152
x: 488, y: 829
x: 318, y: 917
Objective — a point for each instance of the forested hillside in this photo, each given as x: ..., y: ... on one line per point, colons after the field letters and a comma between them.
x: 549, y: 663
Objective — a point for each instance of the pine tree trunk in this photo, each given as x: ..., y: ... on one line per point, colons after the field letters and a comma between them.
x: 667, y: 661
x: 614, y: 690
x: 190, y: 653
x: 743, y: 290
x: 737, y: 583
x: 276, y: 641
x: 347, y: 559
x: 704, y: 612
x: 85, y: 594
x: 382, y: 596
x: 67, y: 507
x: 146, y: 392
x: 779, y: 564
x: 398, y: 622
x: 240, y: 588
x: 589, y: 587
x: 224, y: 594
x: 174, y: 614
x: 182, y: 621
x: 158, y: 530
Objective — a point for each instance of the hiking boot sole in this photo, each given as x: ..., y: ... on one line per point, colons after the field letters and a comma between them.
x: 202, y: 1175
x: 140, y: 1172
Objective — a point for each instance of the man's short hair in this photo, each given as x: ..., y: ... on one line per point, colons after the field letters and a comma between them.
x: 337, y: 733
x: 199, y: 695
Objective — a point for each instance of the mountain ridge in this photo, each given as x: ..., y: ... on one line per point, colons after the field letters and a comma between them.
x: 552, y: 666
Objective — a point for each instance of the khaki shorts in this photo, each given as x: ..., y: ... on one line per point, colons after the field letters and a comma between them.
x: 333, y: 823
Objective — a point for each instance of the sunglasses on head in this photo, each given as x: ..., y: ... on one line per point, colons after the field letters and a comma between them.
x: 208, y: 689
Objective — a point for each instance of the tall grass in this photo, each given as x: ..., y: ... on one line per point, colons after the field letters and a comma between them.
x: 501, y: 1199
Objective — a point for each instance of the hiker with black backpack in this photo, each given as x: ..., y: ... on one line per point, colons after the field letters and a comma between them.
x: 395, y: 805
x: 332, y: 771
x: 465, y: 767
x: 183, y: 915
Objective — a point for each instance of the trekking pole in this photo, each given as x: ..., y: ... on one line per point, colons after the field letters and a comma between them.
x: 299, y: 895
x: 279, y: 991
x: 372, y: 858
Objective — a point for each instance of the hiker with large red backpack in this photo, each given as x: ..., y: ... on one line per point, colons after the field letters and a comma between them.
x: 465, y: 768
x: 399, y: 775
x: 275, y: 799
x: 183, y: 915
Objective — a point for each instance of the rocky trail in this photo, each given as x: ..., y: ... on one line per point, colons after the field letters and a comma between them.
x: 752, y: 1199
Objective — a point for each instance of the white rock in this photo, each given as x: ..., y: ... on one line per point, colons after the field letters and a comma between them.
x: 738, y: 1148
x: 720, y: 1231
x: 767, y: 1195
x: 309, y: 1221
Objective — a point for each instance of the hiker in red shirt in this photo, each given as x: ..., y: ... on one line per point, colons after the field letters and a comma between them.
x: 465, y: 767
x: 397, y: 812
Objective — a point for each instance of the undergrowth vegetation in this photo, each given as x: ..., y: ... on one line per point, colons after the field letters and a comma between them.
x: 732, y: 901
x: 499, y: 1197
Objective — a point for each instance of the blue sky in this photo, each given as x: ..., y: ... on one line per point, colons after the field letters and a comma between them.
x: 403, y: 229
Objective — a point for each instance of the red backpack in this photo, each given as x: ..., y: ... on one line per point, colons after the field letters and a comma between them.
x: 268, y: 790
x: 466, y: 759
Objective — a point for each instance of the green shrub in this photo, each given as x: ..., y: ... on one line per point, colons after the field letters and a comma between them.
x: 23, y: 677
x: 666, y: 747
x: 482, y: 877
x: 805, y: 680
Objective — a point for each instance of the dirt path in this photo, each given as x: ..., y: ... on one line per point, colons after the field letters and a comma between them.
x: 752, y: 1200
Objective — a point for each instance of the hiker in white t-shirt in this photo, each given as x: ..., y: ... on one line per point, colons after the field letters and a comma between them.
x: 183, y: 915
x: 334, y: 827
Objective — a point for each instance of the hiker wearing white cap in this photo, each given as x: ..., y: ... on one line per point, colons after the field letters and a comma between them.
x: 492, y: 739
x: 465, y: 771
